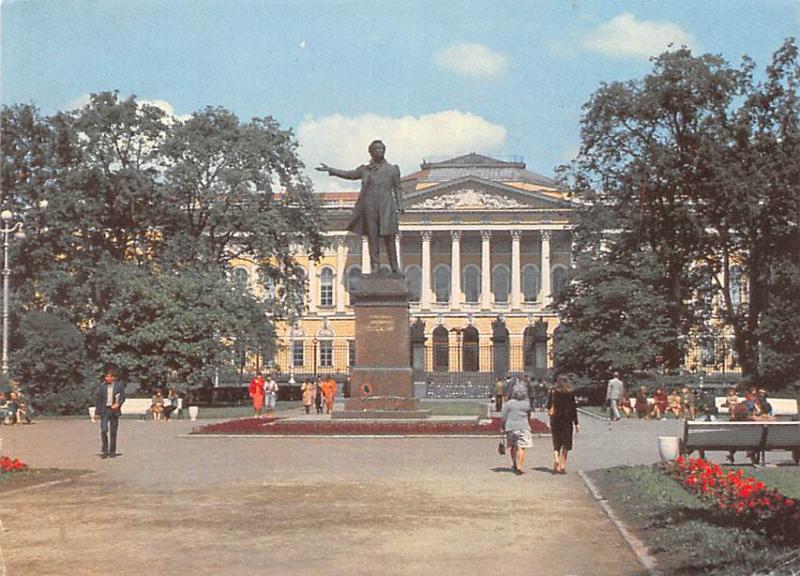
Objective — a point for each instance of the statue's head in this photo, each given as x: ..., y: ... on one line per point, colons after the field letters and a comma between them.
x: 377, y: 149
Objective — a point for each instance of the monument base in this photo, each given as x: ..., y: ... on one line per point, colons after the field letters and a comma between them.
x: 381, y: 408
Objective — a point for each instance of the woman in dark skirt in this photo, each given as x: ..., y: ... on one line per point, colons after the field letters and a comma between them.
x: 563, y: 414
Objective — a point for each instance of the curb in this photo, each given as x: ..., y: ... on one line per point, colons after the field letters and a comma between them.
x: 593, y: 415
x: 344, y: 436
x: 637, y: 546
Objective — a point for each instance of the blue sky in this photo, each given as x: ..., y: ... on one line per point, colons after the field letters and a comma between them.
x: 429, y: 78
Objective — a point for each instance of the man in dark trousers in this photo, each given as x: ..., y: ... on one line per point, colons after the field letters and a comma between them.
x: 375, y: 212
x: 108, y: 402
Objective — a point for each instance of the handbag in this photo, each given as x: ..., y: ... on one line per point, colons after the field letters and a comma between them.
x: 501, y: 448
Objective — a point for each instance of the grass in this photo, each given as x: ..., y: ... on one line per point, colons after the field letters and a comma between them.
x: 689, y: 536
x: 34, y: 476
x: 445, y: 408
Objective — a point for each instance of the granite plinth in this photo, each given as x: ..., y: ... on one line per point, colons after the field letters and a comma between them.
x: 381, y: 381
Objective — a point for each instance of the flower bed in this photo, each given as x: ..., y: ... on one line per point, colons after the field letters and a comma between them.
x: 282, y: 426
x: 748, y: 499
x: 8, y: 465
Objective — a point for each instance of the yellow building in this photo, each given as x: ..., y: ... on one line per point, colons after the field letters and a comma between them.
x: 480, y: 238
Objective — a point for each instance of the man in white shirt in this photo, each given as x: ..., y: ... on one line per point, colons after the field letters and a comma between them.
x: 614, y: 393
x: 108, y: 403
x: 270, y: 395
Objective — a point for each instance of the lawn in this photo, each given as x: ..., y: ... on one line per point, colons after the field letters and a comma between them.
x: 446, y: 408
x: 689, y: 536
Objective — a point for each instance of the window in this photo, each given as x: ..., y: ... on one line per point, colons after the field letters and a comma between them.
x: 708, y: 352
x: 501, y: 282
x: 472, y: 284
x: 414, y: 282
x: 441, y: 282
x: 353, y: 276
x: 735, y: 287
x: 559, y: 273
x: 351, y: 353
x: 326, y: 287
x: 240, y: 278
x: 298, y: 358
x: 269, y: 288
x: 441, y: 349
x: 530, y: 283
x: 326, y: 353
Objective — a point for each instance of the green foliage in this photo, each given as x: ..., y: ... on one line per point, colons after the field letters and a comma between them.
x: 143, y: 217
x: 696, y: 166
x: 50, y: 363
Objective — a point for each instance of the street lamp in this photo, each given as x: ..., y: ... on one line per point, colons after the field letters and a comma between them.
x: 8, y: 229
x: 314, y: 341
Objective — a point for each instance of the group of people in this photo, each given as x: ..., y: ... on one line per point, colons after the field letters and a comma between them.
x: 536, y: 391
x: 264, y: 393
x: 161, y: 408
x: 14, y: 409
x: 317, y: 393
x: 680, y: 402
x: 520, y: 400
x: 754, y: 406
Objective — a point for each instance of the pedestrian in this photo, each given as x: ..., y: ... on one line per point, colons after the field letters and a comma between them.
x: 614, y: 392
x: 109, y: 398
x: 328, y: 393
x: 514, y: 419
x: 271, y: 395
x: 256, y: 391
x: 308, y: 395
x: 317, y: 396
x: 499, y: 392
x: 563, y: 413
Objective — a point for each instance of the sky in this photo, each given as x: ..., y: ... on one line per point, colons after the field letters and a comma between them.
x: 431, y: 79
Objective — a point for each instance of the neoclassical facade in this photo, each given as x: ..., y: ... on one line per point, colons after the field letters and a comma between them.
x: 480, y: 238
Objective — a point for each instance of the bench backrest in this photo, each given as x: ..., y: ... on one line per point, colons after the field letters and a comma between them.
x: 740, y: 435
x: 136, y: 405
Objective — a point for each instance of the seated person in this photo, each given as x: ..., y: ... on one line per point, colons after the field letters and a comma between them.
x: 16, y: 410
x: 762, y: 410
x: 625, y: 405
x: 3, y: 405
x: 659, y: 404
x: 157, y: 405
x: 674, y: 403
x: 640, y: 405
x: 688, y: 403
x: 171, y: 403
x: 731, y: 398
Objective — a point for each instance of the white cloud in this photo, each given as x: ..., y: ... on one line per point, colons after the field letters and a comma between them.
x: 474, y: 61
x: 166, y: 107
x: 625, y: 36
x: 342, y: 141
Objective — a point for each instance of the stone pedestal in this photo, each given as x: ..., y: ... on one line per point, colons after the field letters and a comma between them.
x: 381, y: 384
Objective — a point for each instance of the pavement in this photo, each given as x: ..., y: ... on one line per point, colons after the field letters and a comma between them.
x: 179, y: 504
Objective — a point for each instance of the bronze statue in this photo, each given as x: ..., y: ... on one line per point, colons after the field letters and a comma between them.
x: 376, y: 211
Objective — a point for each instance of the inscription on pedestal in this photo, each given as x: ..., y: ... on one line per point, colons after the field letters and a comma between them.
x: 380, y: 323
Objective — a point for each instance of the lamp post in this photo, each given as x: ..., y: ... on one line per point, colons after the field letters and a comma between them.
x: 292, y: 323
x: 314, y: 342
x: 8, y: 229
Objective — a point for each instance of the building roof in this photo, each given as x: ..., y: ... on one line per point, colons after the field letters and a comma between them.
x: 479, y: 166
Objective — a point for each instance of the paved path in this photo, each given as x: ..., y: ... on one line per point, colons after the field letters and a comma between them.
x: 172, y: 504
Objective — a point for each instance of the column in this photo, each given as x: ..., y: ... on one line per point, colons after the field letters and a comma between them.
x: 312, y: 286
x: 397, y: 246
x: 516, y: 270
x: 341, y: 274
x: 455, y: 269
x: 365, y: 263
x: 425, y: 297
x: 547, y: 297
x: 486, y: 270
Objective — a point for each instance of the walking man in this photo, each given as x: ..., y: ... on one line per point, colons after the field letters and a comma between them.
x: 108, y: 403
x: 614, y: 394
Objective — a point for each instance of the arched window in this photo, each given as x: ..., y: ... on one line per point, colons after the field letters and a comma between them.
x: 441, y: 282
x: 269, y: 288
x: 557, y: 283
x: 326, y: 287
x: 414, y: 282
x: 736, y: 287
x: 441, y: 349
x: 472, y: 283
x: 530, y: 283
x: 501, y: 282
x: 240, y: 278
x: 353, y: 276
x: 470, y: 349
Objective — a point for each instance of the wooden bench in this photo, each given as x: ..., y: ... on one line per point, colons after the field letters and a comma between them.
x: 141, y: 407
x: 780, y: 406
x: 754, y: 437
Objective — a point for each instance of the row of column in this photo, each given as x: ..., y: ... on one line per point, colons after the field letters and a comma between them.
x: 426, y: 298
x: 486, y: 270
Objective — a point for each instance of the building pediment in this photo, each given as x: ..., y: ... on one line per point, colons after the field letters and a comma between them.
x: 473, y: 194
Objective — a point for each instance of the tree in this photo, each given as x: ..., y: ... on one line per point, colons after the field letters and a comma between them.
x: 144, y: 216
